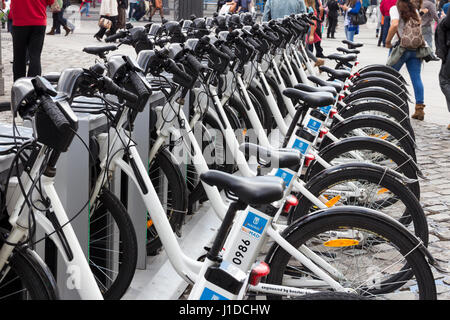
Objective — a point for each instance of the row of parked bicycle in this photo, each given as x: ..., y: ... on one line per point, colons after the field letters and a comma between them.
x: 315, y: 180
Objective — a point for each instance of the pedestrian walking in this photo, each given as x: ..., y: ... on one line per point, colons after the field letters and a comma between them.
x: 442, y: 40
x: 352, y: 7
x: 385, y: 6
x: 410, y: 47
x: 28, y: 33
x: 274, y: 9
x: 85, y: 6
x: 122, y: 6
x: 108, y: 19
x: 333, y: 13
x: 157, y: 5
x: 429, y: 15
x: 58, y: 19
x: 243, y: 5
x: 133, y: 8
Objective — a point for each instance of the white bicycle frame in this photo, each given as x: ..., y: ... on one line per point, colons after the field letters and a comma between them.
x: 19, y: 215
x: 186, y: 267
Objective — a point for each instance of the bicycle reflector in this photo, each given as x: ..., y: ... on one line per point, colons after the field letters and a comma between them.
x: 323, y: 132
x: 337, y: 243
x: 308, y: 158
x: 291, y: 201
x: 258, y: 272
x: 333, y: 111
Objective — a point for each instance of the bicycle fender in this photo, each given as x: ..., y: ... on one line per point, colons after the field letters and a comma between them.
x: 382, y: 68
x: 387, y: 121
x: 370, y: 141
x: 366, y: 213
x: 394, y: 88
x: 40, y: 267
x: 368, y: 167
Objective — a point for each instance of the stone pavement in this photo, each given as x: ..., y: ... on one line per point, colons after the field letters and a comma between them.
x: 432, y: 138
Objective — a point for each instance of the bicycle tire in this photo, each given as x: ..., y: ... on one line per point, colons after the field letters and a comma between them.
x: 343, y: 129
x: 400, y: 158
x: 332, y: 295
x: 164, y: 171
x: 269, y: 120
x: 27, y: 272
x: 107, y: 207
x: 316, y: 228
x: 381, y: 83
x: 376, y: 107
x: 380, y: 94
x: 278, y: 95
x: 332, y: 177
x: 382, y: 68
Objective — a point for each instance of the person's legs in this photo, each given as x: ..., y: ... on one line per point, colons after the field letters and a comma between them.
x: 349, y: 34
x: 20, y: 38
x: 414, y: 65
x: 332, y: 26
x: 34, y: 47
x: 444, y: 83
x: 100, y: 33
x: 386, y: 26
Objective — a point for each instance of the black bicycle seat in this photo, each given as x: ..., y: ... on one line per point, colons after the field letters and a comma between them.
x: 336, y: 74
x: 312, y: 99
x: 342, y: 57
x: 352, y: 45
x: 279, y: 158
x: 338, y: 85
x: 305, y: 87
x: 345, y: 50
x: 253, y: 190
x: 100, y: 51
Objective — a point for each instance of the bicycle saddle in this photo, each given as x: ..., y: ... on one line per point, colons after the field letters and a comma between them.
x: 342, y: 57
x: 280, y: 158
x: 312, y: 99
x: 338, y: 85
x: 345, y: 50
x: 253, y: 190
x: 305, y: 87
x: 100, y: 51
x: 352, y: 45
x: 336, y: 74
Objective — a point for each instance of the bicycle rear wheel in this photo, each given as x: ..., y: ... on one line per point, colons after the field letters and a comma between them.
x: 376, y: 258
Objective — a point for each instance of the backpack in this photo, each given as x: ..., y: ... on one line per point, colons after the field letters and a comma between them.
x: 412, y: 37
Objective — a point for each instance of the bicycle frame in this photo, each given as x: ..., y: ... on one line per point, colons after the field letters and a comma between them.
x: 187, y: 268
x: 70, y: 251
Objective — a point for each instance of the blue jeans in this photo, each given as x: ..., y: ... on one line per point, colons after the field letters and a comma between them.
x: 133, y: 7
x: 385, y: 29
x: 349, y: 34
x: 85, y: 8
x: 413, y: 65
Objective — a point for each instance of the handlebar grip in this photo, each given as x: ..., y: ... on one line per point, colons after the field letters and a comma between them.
x: 253, y: 43
x: 114, y: 37
x: 245, y: 44
x: 214, y: 51
x: 112, y: 88
x: 56, y: 116
x: 194, y: 63
x: 228, y: 52
x: 179, y: 76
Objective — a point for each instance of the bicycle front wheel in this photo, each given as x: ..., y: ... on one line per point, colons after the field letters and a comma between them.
x: 112, y: 246
x: 375, y: 259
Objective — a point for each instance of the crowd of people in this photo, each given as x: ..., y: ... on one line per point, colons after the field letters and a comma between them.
x: 406, y: 27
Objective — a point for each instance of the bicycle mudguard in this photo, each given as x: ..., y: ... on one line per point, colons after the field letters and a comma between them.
x: 373, y: 82
x: 382, y: 68
x: 366, y: 213
x: 367, y: 141
x: 41, y: 268
x: 381, y: 93
x: 380, y: 75
x: 336, y: 127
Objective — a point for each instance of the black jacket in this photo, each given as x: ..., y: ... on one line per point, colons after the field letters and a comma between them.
x: 122, y: 4
x: 333, y: 8
x: 442, y: 38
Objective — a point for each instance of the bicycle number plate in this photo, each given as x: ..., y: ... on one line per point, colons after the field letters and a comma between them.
x: 246, y: 242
